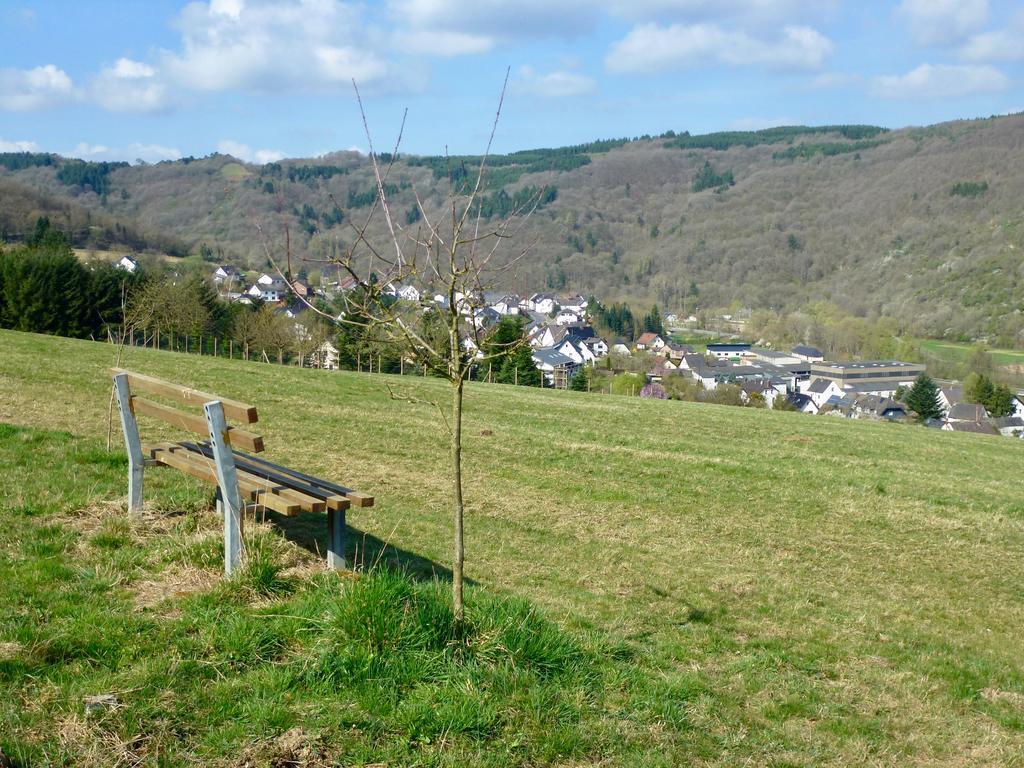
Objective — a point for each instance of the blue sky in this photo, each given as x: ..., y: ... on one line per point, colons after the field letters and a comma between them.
x: 262, y: 80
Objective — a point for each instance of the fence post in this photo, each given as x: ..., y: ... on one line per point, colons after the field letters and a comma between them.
x: 132, y: 443
x: 336, y: 539
x: 227, y: 480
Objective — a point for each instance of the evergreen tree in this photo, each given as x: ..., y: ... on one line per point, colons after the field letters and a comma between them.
x: 923, y: 398
x: 518, y: 368
x: 581, y: 381
x: 1000, y: 401
x: 978, y: 388
x: 46, y: 290
x: 505, y: 336
x: 652, y: 321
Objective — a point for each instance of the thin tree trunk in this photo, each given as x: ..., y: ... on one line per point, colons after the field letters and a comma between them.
x: 460, y: 549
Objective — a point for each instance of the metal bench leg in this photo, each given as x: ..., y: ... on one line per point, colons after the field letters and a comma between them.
x: 336, y: 539
x: 233, y: 530
x: 132, y: 443
x: 227, y: 482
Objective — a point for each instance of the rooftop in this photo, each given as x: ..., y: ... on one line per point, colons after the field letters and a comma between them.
x: 867, y: 364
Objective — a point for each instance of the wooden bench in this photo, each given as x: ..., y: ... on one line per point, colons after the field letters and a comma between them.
x: 244, y: 481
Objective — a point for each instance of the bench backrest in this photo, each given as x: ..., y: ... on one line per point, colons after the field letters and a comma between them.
x: 242, y: 412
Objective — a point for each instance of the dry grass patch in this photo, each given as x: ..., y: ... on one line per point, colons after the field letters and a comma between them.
x: 97, y: 747
x: 292, y: 749
x: 172, y: 583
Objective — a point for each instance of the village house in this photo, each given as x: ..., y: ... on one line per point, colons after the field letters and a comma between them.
x: 567, y: 316
x: 967, y: 412
x: 270, y: 289
x: 556, y: 368
x: 302, y: 290
x: 802, y: 403
x: 544, y: 336
x: 877, y: 407
x: 766, y: 388
x: 620, y: 347
x: 821, y: 390
x: 575, y: 304
x: 544, y: 303
x: 597, y: 345
x: 507, y: 304
x: 405, y: 292
x: 677, y: 351
x: 969, y: 417
x: 950, y: 394
x: 128, y: 264
x: 1008, y: 426
x: 485, y: 317
x: 980, y: 428
x: 650, y: 341
x: 691, y: 361
x: 225, y: 273
x: 1018, y: 405
x: 576, y: 350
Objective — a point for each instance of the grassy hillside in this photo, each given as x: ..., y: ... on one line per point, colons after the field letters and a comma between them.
x: 922, y: 224
x: 753, y: 586
x: 959, y: 352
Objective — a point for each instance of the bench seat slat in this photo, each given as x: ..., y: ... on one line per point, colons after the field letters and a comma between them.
x: 196, y: 424
x: 358, y: 499
x: 187, y: 396
x: 173, y: 455
x: 281, y: 475
x: 269, y: 493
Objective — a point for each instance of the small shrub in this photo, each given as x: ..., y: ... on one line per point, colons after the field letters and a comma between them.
x: 969, y: 189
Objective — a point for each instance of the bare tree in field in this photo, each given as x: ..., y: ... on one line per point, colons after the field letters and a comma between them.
x: 454, y: 254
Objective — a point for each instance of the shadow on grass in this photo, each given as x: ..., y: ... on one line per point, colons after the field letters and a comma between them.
x: 362, y: 550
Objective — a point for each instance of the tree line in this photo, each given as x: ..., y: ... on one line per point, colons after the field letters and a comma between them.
x: 617, y: 320
x: 724, y: 140
x: 44, y: 288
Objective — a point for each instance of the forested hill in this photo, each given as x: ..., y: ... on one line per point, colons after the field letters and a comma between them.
x: 922, y: 224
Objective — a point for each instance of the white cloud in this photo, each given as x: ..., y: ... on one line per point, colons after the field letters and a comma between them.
x: 248, y: 154
x: 938, y: 22
x: 232, y: 8
x: 436, y: 42
x: 127, y: 69
x: 274, y: 46
x: 129, y: 86
x: 653, y: 48
x: 17, y: 146
x: 23, y: 90
x: 940, y: 81
x: 999, y: 45
x: 557, y: 84
x: 150, y: 153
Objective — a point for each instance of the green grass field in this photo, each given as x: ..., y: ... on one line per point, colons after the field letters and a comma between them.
x: 956, y: 352
x: 716, y: 586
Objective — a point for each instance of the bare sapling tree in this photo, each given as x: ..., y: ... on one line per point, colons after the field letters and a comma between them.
x: 451, y: 254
